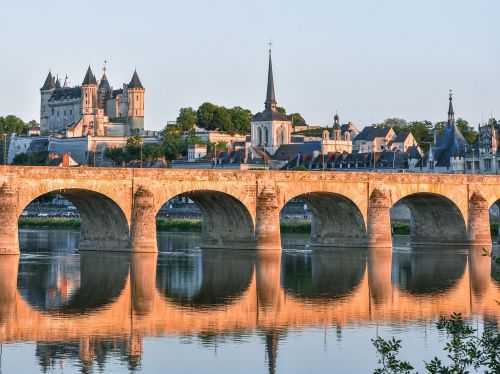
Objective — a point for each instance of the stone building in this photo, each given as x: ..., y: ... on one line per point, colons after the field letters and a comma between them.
x: 270, y: 128
x: 374, y: 139
x: 94, y: 108
x: 341, y: 138
x: 484, y: 157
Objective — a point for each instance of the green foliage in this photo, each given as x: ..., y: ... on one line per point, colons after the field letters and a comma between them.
x: 70, y: 223
x: 186, y: 118
x: 220, y: 146
x: 12, y: 124
x: 388, y: 351
x: 314, y: 132
x: 295, y: 227
x: 240, y: 119
x: 465, y: 350
x: 31, y: 159
x: 205, y: 115
x: 469, y: 133
x: 222, y: 120
x: 297, y: 118
x: 178, y: 225
x: 299, y: 168
x: 281, y: 110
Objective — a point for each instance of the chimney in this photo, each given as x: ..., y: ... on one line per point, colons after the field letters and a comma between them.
x: 65, y: 160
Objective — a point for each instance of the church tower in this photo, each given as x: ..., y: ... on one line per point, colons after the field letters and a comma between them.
x: 89, y: 102
x: 45, y: 94
x: 136, y: 104
x: 270, y: 128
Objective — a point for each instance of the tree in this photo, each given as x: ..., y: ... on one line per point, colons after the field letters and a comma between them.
x: 398, y: 124
x: 281, y: 110
x: 173, y: 145
x: 12, y: 124
x: 469, y: 133
x: 205, y: 115
x: 240, y: 119
x: 186, y: 118
x: 222, y: 120
x: 297, y: 118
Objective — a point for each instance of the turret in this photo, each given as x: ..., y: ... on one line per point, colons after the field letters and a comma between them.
x: 89, y: 99
x: 103, y: 90
x: 45, y: 95
x: 136, y: 104
x: 451, y: 113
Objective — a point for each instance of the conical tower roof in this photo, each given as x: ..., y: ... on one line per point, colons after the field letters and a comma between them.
x: 89, y: 77
x: 49, y: 82
x: 135, y: 82
x: 270, y: 102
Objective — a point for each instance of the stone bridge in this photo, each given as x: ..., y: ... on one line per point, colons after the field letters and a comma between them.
x: 241, y: 209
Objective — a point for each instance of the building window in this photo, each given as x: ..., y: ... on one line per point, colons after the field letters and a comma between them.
x: 52, y: 111
x: 58, y: 113
x: 487, y: 164
x: 259, y: 137
x: 64, y: 112
x: 137, y: 97
x: 71, y: 112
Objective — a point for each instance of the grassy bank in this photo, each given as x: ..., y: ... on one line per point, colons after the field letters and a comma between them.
x: 190, y: 225
x: 65, y: 223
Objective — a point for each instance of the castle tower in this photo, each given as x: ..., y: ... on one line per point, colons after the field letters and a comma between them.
x: 270, y: 128
x: 45, y: 94
x: 89, y: 100
x: 103, y: 90
x: 136, y: 104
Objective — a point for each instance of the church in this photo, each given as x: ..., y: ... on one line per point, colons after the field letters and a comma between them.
x: 270, y: 128
x: 93, y: 108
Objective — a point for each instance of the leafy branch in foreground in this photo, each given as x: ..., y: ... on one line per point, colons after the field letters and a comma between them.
x: 465, y: 350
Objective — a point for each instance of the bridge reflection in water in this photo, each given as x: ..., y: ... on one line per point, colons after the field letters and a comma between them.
x: 122, y: 298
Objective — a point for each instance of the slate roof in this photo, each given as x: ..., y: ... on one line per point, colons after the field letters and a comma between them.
x: 288, y: 151
x: 135, y: 82
x: 451, y: 143
x: 89, y: 77
x: 270, y: 94
x: 401, y: 137
x: 104, y: 83
x: 270, y: 115
x: 49, y: 83
x: 66, y: 93
x: 369, y: 133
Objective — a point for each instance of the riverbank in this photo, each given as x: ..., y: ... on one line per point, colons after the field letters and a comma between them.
x: 193, y: 225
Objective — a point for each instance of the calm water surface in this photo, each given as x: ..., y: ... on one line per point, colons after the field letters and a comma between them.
x: 186, y: 310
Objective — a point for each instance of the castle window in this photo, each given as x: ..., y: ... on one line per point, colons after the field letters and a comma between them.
x: 137, y: 97
x: 64, y: 112
x: 58, y: 113
x: 52, y: 111
x: 136, y: 112
x: 71, y: 112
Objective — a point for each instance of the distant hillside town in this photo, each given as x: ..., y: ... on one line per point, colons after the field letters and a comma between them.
x: 94, y: 124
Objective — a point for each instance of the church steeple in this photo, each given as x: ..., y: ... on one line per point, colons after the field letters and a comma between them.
x: 270, y: 103
x: 451, y: 113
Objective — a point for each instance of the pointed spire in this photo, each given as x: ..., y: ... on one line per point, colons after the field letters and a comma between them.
x: 135, y: 82
x: 66, y: 82
x: 49, y: 82
x: 58, y: 82
x: 451, y: 113
x: 89, y: 77
x: 272, y: 351
x: 270, y: 102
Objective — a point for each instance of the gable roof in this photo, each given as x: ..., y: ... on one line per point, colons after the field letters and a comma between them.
x: 369, y: 133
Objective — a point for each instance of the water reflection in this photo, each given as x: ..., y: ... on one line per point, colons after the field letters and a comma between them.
x: 96, y: 306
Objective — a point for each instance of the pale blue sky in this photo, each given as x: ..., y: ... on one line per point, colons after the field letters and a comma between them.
x: 367, y: 59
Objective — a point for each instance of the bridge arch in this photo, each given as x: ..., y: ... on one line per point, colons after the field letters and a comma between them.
x: 104, y: 224
x: 226, y: 220
x: 336, y: 220
x: 435, y: 219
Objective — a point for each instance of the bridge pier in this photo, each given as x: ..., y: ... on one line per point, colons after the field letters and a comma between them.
x: 9, y: 237
x: 267, y: 230
x: 379, y: 220
x: 478, y: 231
x: 379, y: 274
x: 143, y: 282
x: 143, y: 226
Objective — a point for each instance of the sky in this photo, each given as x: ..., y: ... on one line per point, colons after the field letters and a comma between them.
x: 368, y: 60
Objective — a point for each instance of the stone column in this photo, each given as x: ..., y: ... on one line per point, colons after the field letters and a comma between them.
x: 143, y: 228
x: 9, y: 242
x: 379, y: 220
x: 479, y: 221
x: 267, y: 230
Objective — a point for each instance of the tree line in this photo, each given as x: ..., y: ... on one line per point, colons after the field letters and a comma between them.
x: 213, y: 117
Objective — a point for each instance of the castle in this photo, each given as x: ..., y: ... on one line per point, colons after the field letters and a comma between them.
x: 91, y: 109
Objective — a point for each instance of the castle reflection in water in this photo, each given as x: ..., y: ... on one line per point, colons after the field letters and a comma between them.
x: 93, y: 306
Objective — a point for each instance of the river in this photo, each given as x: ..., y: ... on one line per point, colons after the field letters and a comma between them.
x: 189, y: 310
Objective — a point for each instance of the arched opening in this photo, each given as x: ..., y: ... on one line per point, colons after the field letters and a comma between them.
x: 333, y: 220
x: 205, y: 279
x: 70, y: 284
x: 259, y: 137
x: 495, y: 221
x: 325, y: 275
x: 214, y: 219
x: 266, y: 137
x: 428, y: 219
x: 101, y: 222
